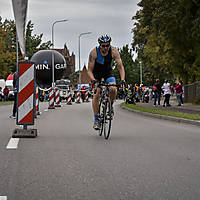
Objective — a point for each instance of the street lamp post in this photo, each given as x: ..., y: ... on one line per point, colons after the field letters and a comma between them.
x: 53, y: 72
x: 17, y: 59
x: 79, y: 53
x: 140, y: 72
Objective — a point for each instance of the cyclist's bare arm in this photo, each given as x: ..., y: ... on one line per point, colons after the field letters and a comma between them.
x: 117, y: 58
x: 91, y: 63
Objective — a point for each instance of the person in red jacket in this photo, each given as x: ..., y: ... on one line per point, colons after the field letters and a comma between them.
x: 15, y: 85
x: 179, y: 91
x: 83, y: 90
x: 6, y: 93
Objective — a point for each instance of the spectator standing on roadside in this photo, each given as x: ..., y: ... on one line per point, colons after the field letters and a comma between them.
x: 167, y: 93
x: 172, y: 90
x: 46, y: 94
x: 182, y: 95
x: 6, y: 93
x: 150, y: 92
x: 15, y: 85
x: 157, y: 92
x: 179, y: 91
x: 137, y: 93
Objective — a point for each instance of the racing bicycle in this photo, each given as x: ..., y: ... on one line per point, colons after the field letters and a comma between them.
x: 105, y: 109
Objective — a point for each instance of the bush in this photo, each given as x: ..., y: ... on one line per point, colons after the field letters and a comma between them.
x: 197, y: 100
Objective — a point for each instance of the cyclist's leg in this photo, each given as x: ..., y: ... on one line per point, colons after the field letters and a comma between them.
x: 95, y: 99
x: 95, y: 106
x: 113, y: 91
x: 95, y: 102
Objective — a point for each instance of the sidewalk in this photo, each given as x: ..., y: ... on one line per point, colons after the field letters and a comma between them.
x: 186, y: 108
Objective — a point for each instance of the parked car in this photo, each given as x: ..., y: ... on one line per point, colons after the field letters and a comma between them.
x: 63, y: 91
x: 63, y: 85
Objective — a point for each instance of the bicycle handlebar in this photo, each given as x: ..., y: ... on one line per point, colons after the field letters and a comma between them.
x: 100, y: 84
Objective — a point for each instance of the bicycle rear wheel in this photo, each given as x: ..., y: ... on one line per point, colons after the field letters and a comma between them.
x: 107, y: 119
x: 101, y: 117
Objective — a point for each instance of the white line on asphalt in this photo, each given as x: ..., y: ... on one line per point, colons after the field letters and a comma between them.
x: 3, y: 197
x: 13, y: 144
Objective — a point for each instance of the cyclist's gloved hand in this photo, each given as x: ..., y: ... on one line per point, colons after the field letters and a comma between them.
x: 123, y: 82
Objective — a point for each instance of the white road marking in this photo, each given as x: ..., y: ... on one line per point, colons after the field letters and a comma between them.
x: 3, y: 197
x: 12, y: 144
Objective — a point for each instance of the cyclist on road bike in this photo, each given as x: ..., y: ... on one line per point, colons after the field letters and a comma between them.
x: 100, y: 66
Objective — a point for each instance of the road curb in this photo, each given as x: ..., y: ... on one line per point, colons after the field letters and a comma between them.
x: 174, y: 119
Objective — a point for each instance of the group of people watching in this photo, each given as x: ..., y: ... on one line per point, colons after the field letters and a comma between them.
x: 156, y: 92
x: 167, y: 90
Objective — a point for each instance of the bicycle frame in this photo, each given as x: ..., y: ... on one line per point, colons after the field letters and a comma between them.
x: 105, y: 115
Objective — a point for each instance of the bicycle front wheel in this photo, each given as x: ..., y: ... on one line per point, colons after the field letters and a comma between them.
x: 107, y: 119
x: 101, y: 117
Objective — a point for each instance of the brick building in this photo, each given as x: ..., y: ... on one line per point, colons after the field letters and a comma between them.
x: 70, y: 62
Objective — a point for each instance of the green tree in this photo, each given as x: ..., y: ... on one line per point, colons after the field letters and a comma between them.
x: 131, y: 67
x: 7, y: 54
x: 74, y: 78
x: 34, y: 42
x: 8, y: 46
x: 166, y: 37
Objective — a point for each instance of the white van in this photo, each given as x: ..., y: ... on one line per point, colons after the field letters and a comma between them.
x: 63, y: 91
x: 2, y: 85
x: 63, y: 86
x: 9, y: 84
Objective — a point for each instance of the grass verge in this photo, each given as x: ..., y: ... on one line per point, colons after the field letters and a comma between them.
x: 6, y: 102
x: 162, y: 112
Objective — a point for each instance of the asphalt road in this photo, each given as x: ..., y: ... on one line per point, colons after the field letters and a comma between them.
x: 144, y: 159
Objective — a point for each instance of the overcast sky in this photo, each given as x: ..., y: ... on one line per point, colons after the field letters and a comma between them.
x: 112, y: 17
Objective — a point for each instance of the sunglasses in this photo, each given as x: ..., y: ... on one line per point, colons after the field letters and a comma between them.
x: 103, y: 45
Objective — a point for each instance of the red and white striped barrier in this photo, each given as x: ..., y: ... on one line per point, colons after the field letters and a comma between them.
x: 36, y: 102
x: 26, y: 94
x: 51, y: 99
x: 25, y: 100
x: 78, y: 98
x: 86, y: 96
x: 69, y: 97
x: 57, y: 97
